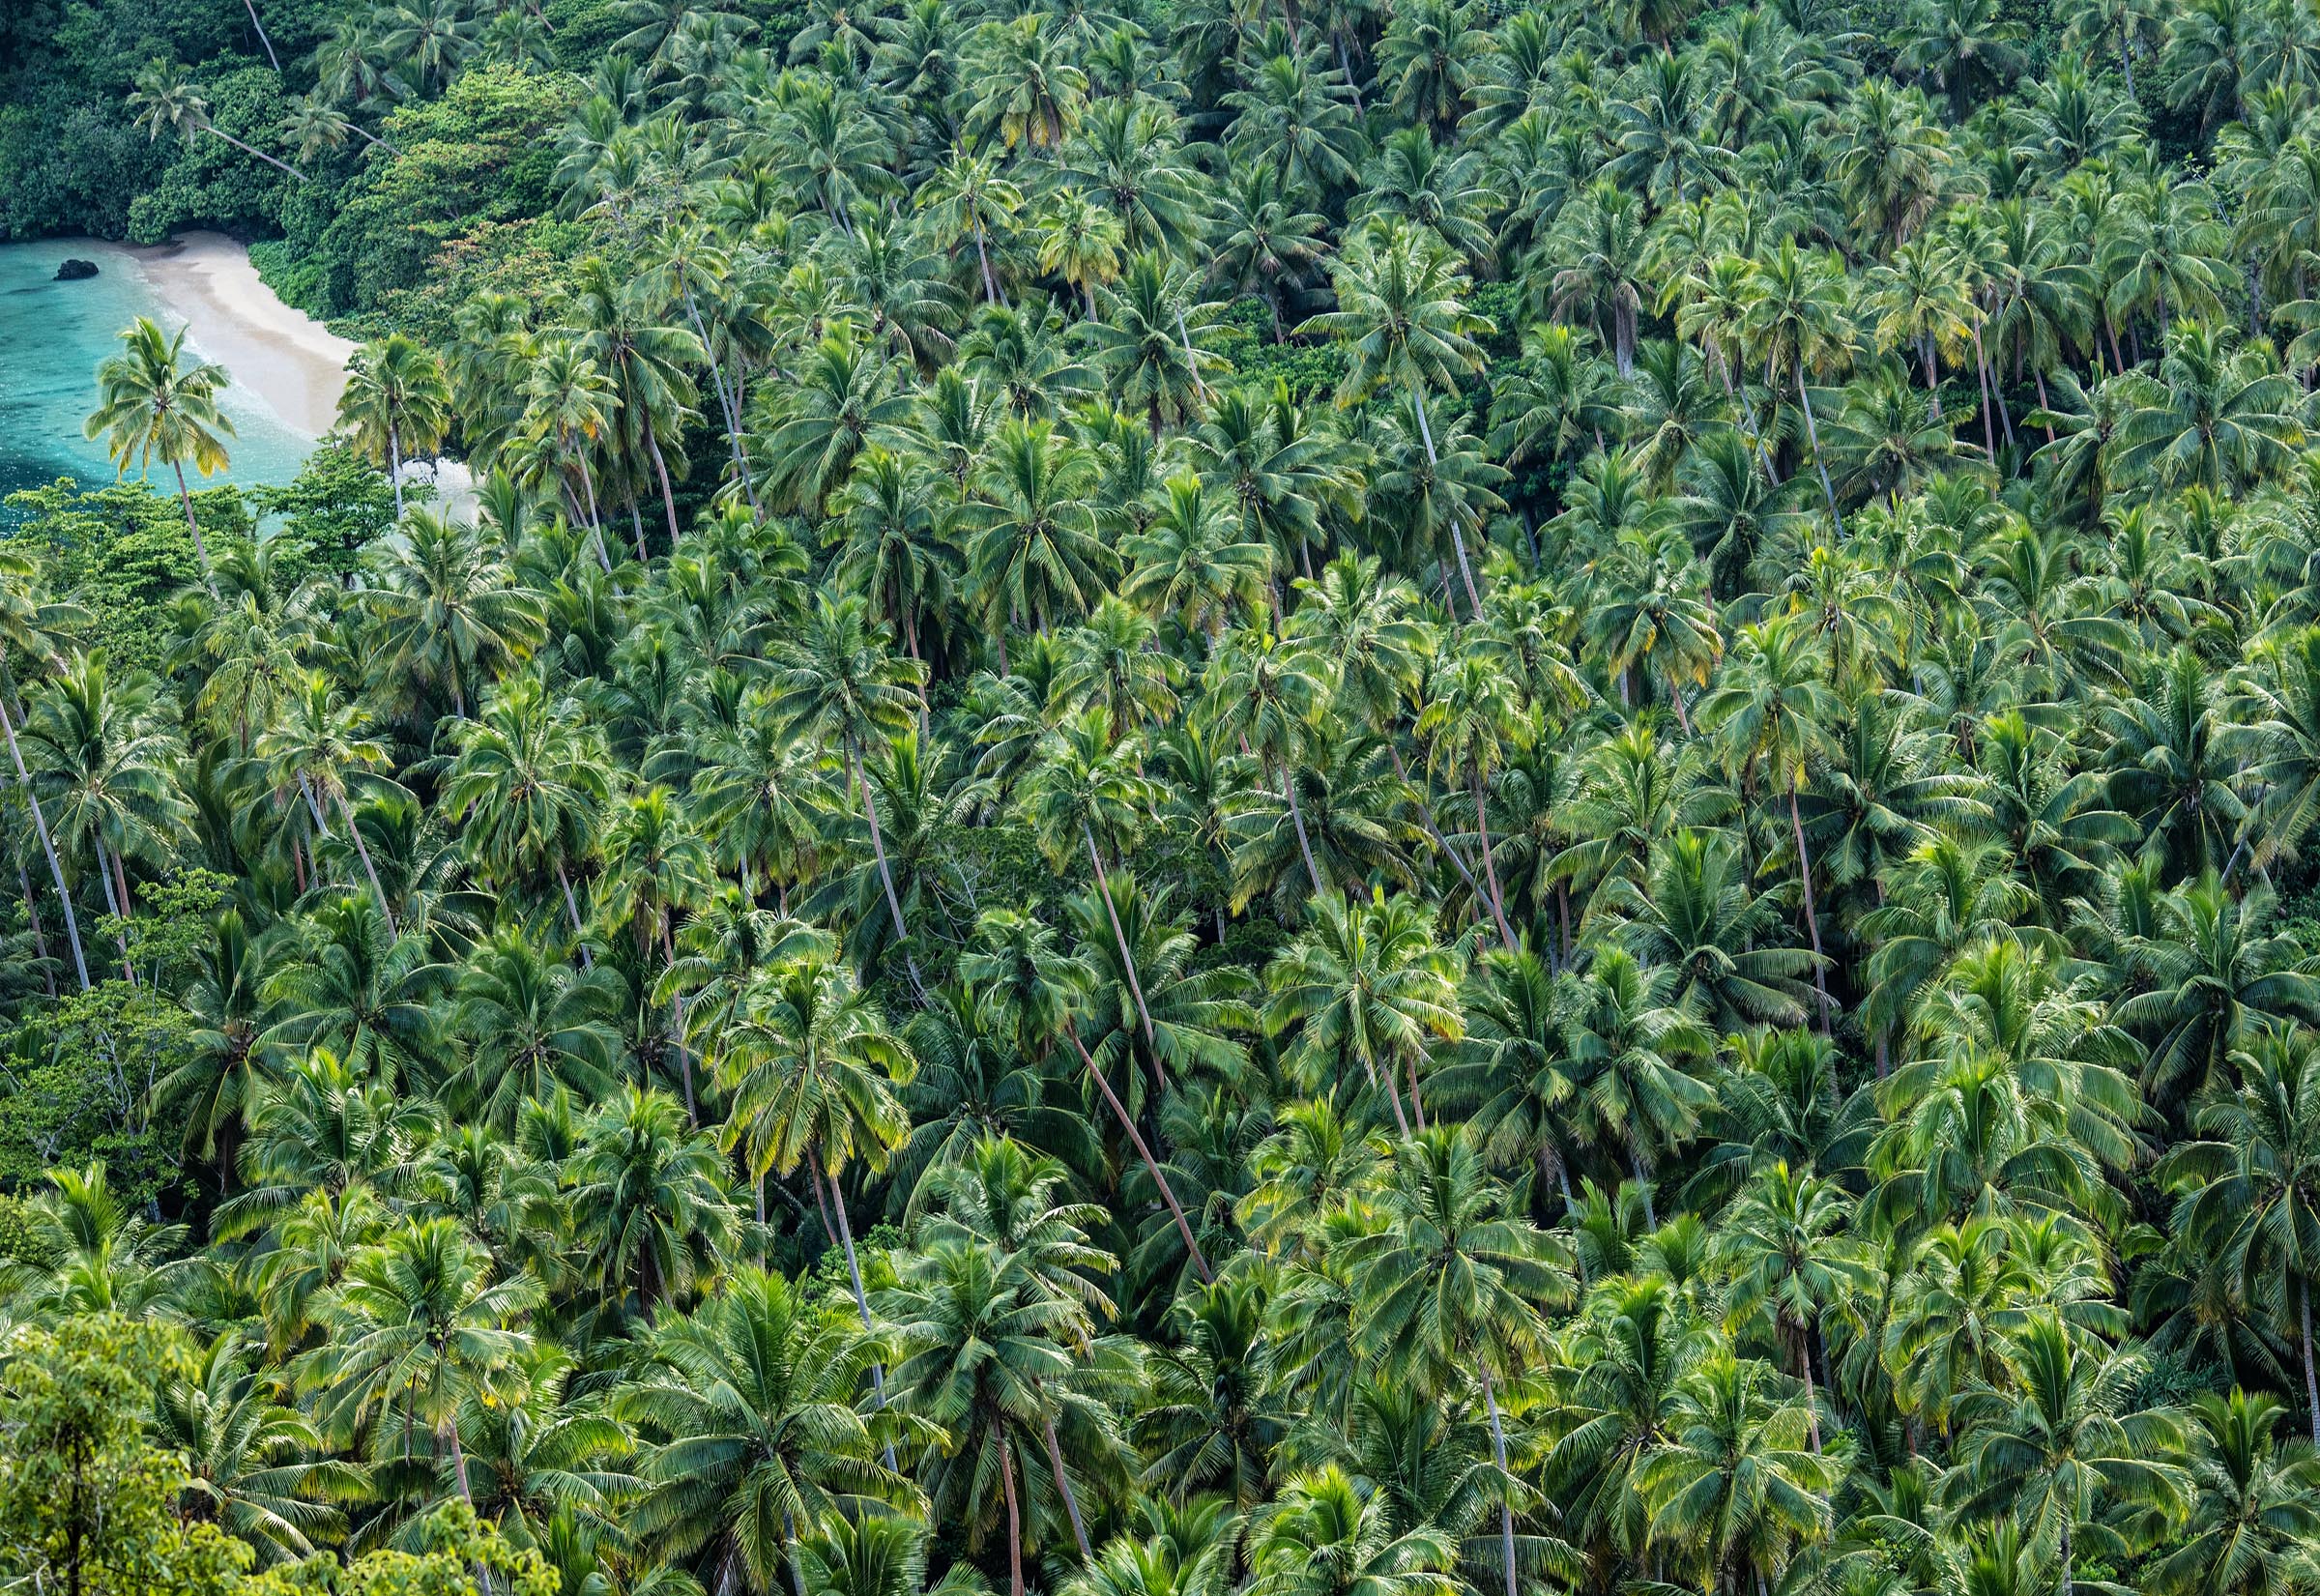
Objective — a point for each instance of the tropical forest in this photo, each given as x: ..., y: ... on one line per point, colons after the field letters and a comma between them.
x: 1173, y: 797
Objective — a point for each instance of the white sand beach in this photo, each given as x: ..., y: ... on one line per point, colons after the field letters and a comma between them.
x: 285, y: 357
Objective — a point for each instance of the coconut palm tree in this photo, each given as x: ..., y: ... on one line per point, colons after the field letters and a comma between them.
x: 153, y: 405
x: 396, y: 403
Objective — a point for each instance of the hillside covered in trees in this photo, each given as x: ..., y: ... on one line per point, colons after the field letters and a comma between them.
x: 1351, y: 798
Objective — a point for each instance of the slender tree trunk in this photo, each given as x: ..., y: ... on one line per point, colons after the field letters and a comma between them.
x: 571, y: 907
x: 2126, y: 64
x: 56, y: 871
x: 1812, y: 434
x: 274, y: 60
x: 201, y: 549
x: 451, y: 1433
x: 1071, y: 1501
x: 1103, y: 888
x: 990, y: 297
x: 116, y: 897
x: 39, y: 936
x: 1925, y: 346
x: 1804, y: 1358
x: 2312, y: 1380
x: 1804, y: 874
x: 278, y: 166
x: 2065, y: 1552
x: 1347, y: 67
x: 2043, y: 403
x: 1506, y: 1510
x: 394, y: 469
x: 885, y: 874
x: 596, y: 516
x: 725, y: 402
x: 1296, y: 816
x: 1151, y: 1164
x: 668, y: 495
x: 1465, y: 571
x: 861, y: 1298
x: 363, y: 853
x: 677, y: 1036
x: 1006, y: 1480
x: 1489, y: 866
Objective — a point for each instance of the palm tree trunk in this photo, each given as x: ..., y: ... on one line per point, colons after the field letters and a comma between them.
x: 1812, y: 433
x: 451, y: 1432
x: 725, y: 402
x: 279, y: 166
x: 1465, y: 570
x: 1506, y: 1510
x: 1989, y: 443
x: 201, y: 549
x: 676, y: 1039
x: 2127, y: 64
x: 571, y: 907
x: 596, y: 516
x: 273, y: 59
x: 1297, y: 818
x: 1924, y: 347
x: 1991, y: 394
x: 1804, y: 1358
x: 878, y: 846
x: 1804, y: 874
x: 1151, y: 1164
x: 32, y: 919
x: 1071, y: 1501
x: 668, y: 496
x: 1103, y: 888
x: 1006, y: 1480
x: 2312, y: 1380
x: 394, y: 469
x: 1489, y: 866
x: 861, y: 1298
x: 990, y: 297
x: 363, y: 853
x: 39, y: 823
x: 2064, y: 1552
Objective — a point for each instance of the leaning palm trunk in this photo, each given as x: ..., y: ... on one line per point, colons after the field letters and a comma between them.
x: 571, y: 907
x: 39, y: 823
x: 201, y: 549
x: 279, y: 166
x: 1804, y: 874
x: 1151, y: 1164
x: 861, y: 1298
x: 274, y: 60
x: 668, y: 496
x: 1458, y: 541
x: 1103, y: 888
x: 1489, y: 867
x: 394, y: 468
x: 363, y: 853
x: 1506, y: 1509
x: 886, y: 873
x: 1296, y: 817
x: 1812, y: 433
x: 1071, y: 1501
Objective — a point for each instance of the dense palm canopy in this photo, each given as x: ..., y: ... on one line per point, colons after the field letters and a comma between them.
x: 1193, y: 800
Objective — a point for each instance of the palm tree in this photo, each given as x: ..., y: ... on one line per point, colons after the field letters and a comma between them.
x: 1783, y: 1239
x: 532, y: 1025
x: 1797, y: 320
x: 842, y: 685
x: 2252, y: 1498
x: 2249, y: 1185
x: 152, y: 405
x: 649, y: 1196
x: 397, y: 402
x: 812, y: 1067
x: 1451, y: 1279
x: 1142, y: 339
x: 252, y: 1463
x: 2060, y: 1449
x: 748, y: 1404
x: 1400, y: 305
x: 1045, y: 993
x: 1325, y: 1536
x: 27, y: 625
x: 320, y: 744
x: 1087, y: 778
x: 1773, y: 709
x: 1368, y: 981
x: 646, y: 360
x: 2216, y: 415
x: 164, y: 101
x: 528, y: 780
x: 419, y: 1328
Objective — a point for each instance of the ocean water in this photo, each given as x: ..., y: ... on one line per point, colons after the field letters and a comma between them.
x: 52, y: 336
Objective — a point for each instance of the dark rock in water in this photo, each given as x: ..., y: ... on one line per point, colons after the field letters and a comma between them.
x: 74, y: 270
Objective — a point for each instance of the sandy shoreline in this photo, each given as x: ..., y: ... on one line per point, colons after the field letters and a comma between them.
x: 287, y: 359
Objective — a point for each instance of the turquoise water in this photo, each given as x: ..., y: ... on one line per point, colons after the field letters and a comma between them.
x: 52, y: 336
